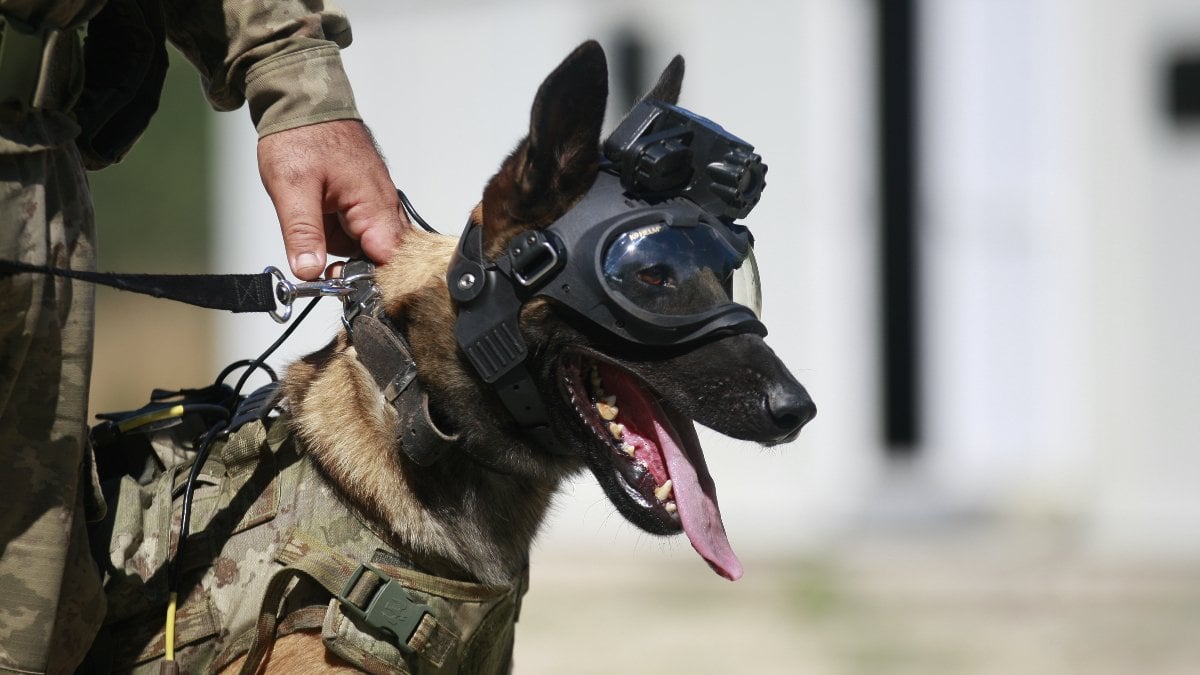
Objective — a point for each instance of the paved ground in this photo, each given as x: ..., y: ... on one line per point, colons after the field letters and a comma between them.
x: 957, y: 603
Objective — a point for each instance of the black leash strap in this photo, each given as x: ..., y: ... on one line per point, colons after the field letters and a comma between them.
x: 233, y: 292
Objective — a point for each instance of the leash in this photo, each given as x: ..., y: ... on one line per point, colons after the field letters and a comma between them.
x: 233, y: 292
x: 269, y: 291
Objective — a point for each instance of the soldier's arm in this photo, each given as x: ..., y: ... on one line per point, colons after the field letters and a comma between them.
x: 330, y: 187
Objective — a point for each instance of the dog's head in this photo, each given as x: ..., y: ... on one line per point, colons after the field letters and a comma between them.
x: 622, y: 397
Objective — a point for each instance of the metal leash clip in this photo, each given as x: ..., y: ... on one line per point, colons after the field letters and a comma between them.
x: 286, y: 292
x: 365, y: 298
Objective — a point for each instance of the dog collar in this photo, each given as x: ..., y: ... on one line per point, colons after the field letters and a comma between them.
x: 382, y: 349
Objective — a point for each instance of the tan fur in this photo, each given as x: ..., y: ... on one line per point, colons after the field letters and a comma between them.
x: 300, y: 653
x: 418, y: 264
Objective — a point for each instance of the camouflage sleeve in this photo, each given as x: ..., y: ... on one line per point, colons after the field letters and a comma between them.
x: 281, y: 56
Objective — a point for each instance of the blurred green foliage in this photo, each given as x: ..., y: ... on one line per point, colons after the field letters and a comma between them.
x: 153, y: 209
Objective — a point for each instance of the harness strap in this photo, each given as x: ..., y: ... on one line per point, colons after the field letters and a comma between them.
x: 264, y: 629
x: 376, y: 599
x: 303, y: 619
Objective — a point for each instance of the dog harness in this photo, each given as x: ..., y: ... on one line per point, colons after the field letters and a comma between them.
x: 275, y: 550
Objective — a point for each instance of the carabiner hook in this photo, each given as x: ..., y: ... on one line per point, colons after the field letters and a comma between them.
x: 286, y: 292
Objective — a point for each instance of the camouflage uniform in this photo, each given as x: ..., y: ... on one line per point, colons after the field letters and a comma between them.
x: 282, y: 57
x: 271, y: 543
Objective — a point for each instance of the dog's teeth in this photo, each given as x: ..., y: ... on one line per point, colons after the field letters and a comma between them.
x: 610, y: 400
x: 608, y: 411
x: 617, y: 430
x: 663, y: 491
x: 628, y: 449
x: 670, y: 507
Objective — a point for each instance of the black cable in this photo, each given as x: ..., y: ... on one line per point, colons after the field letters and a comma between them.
x: 186, y: 512
x: 245, y: 362
x: 258, y: 363
x: 412, y: 212
x: 215, y: 431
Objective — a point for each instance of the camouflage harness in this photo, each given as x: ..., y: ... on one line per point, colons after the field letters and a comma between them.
x: 274, y: 550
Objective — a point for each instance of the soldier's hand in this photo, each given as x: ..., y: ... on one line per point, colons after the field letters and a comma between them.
x: 332, y: 193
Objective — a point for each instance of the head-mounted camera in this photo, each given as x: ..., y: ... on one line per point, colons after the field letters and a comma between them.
x: 661, y: 150
x: 651, y: 253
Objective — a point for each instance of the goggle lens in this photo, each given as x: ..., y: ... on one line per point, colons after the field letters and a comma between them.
x: 680, y: 271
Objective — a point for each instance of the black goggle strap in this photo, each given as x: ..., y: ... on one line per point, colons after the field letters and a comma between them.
x: 520, y: 397
x: 488, y: 332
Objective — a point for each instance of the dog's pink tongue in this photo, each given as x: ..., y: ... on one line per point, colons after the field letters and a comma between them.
x: 679, y: 447
x: 696, y: 498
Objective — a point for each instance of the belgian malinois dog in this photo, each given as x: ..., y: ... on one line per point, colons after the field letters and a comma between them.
x: 477, y: 521
x: 623, y: 410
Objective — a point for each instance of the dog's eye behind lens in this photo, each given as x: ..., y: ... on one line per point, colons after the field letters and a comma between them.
x: 657, y: 275
x: 672, y: 271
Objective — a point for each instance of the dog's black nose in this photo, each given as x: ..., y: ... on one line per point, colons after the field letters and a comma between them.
x: 791, y: 408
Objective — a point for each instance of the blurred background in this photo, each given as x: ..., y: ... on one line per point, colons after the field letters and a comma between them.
x: 978, y: 251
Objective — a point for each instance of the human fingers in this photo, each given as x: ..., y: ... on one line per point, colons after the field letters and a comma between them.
x: 361, y: 191
x: 296, y: 192
x: 337, y: 240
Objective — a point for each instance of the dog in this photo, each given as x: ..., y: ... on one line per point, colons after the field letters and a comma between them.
x: 622, y: 409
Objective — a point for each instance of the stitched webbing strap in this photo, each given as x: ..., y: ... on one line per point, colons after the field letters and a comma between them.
x: 305, y: 556
x: 234, y: 292
x: 307, y: 618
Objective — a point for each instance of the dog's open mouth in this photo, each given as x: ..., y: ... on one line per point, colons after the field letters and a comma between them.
x: 654, y: 466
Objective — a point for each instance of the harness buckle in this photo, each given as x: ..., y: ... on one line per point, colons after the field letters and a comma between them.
x: 390, y: 609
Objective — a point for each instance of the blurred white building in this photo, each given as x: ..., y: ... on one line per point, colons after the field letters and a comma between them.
x: 1059, y: 233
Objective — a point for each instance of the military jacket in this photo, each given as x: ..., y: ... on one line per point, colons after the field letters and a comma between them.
x: 280, y: 56
x: 272, y: 546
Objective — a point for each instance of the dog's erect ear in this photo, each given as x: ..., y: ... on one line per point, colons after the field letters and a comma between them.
x: 669, y: 83
x: 564, y: 125
x: 557, y: 162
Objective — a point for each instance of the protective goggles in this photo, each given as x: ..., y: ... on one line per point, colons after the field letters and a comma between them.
x: 651, y: 253
x: 652, y: 274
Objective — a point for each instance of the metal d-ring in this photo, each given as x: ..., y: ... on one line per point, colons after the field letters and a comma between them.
x: 285, y: 294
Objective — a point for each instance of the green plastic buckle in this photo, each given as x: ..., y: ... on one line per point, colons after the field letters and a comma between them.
x: 391, y: 609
